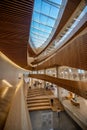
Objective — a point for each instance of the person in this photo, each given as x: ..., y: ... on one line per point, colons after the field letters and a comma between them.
x: 29, y: 87
x: 46, y: 87
x: 51, y: 101
x: 58, y: 112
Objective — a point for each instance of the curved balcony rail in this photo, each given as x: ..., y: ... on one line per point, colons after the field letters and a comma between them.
x: 75, y: 23
x: 78, y: 87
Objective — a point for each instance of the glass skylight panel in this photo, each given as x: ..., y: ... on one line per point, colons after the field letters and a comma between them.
x: 50, y: 22
x: 41, y: 26
x: 45, y: 8
x: 36, y: 41
x: 34, y: 30
x: 37, y: 5
x: 43, y: 32
x: 35, y: 24
x: 43, y: 19
x: 36, y: 16
x: 45, y: 36
x: 45, y: 14
x: 54, y: 11
x: 56, y: 1
x: 49, y: 29
x: 38, y: 38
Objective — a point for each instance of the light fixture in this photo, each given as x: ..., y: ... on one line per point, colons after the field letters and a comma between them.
x: 6, y: 83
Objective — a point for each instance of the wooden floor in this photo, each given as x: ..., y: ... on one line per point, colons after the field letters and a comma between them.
x: 39, y: 99
x: 57, y: 106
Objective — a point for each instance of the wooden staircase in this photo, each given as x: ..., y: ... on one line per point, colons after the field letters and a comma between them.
x: 38, y: 99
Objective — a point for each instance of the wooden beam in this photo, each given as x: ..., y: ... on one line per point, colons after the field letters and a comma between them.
x: 78, y: 87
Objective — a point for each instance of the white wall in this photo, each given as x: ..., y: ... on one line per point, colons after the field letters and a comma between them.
x: 8, y: 71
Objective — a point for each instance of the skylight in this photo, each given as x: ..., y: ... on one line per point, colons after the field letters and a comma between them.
x: 84, y: 11
x: 57, y: 43
x: 45, y: 15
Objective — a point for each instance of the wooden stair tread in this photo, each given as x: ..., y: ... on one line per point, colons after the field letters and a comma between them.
x: 39, y: 108
x: 36, y: 91
x: 34, y: 101
x: 30, y: 96
x: 38, y: 104
x: 35, y: 94
x: 38, y: 97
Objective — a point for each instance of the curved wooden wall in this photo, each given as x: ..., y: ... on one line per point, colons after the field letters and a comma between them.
x: 78, y: 87
x: 78, y: 30
x: 73, y: 54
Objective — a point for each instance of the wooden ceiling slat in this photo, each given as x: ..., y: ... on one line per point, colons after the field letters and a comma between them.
x: 19, y: 20
x: 16, y: 8
x: 12, y: 28
x: 18, y: 3
x: 14, y: 12
x: 17, y: 16
x: 12, y: 24
x: 15, y: 19
x: 26, y: 3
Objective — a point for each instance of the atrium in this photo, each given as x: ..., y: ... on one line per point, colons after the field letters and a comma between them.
x: 43, y: 65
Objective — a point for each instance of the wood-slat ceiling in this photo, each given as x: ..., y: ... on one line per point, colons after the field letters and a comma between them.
x: 15, y: 19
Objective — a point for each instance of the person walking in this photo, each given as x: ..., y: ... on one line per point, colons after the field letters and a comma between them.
x: 52, y: 101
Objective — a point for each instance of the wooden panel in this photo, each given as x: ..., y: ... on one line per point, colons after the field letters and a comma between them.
x: 73, y: 54
x: 78, y: 87
x: 15, y: 19
x: 78, y: 30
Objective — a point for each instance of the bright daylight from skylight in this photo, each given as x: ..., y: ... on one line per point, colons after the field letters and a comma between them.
x: 44, y: 17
